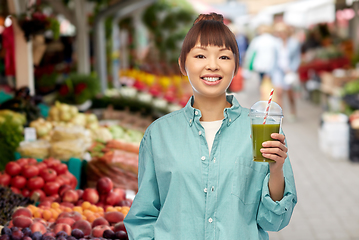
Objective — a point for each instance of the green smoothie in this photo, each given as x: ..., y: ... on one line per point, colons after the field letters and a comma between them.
x: 260, y: 134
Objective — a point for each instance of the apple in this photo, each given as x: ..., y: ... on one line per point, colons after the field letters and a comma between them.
x: 30, y: 171
x: 22, y: 211
x: 104, y: 185
x: 121, y: 192
x: 70, y: 196
x: 113, y: 198
x: 90, y: 195
x: 13, y: 168
x: 80, y: 192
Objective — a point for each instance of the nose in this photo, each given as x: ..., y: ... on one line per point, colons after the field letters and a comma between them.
x: 212, y: 64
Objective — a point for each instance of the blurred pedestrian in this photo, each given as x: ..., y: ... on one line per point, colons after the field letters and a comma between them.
x: 196, y: 174
x: 261, y: 52
x: 287, y: 61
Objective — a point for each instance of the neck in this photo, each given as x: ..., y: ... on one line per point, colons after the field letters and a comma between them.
x: 211, y: 108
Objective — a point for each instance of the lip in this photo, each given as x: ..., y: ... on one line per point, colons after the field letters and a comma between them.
x: 212, y: 76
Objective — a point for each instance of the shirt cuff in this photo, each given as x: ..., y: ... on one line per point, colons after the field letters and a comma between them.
x: 278, y: 207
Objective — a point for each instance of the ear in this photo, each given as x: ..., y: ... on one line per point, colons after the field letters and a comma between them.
x: 179, y: 64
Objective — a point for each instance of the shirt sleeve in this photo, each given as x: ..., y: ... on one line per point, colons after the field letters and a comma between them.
x: 145, y: 208
x: 275, y: 215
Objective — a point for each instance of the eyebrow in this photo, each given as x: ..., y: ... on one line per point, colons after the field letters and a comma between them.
x: 205, y: 48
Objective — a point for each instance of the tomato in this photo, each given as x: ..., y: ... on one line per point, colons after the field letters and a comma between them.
x: 66, y: 179
x: 15, y: 190
x: 73, y: 179
x: 35, y: 183
x: 5, y: 179
x: 32, y: 161
x: 22, y: 161
x: 41, y: 194
x: 25, y: 192
x: 13, y: 168
x: 51, y: 188
x: 18, y: 182
x: 48, y: 174
x: 41, y: 166
x: 50, y: 162
x: 30, y: 171
x: 60, y: 168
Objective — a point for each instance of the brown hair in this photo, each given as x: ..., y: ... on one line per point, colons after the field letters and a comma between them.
x: 209, y: 29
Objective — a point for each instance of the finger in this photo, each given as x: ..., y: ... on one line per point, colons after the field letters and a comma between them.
x: 276, y: 158
x: 275, y: 144
x: 279, y: 137
x: 274, y: 151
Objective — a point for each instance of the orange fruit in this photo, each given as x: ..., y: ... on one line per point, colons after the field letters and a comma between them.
x: 47, y: 214
x: 77, y: 209
x: 55, y: 213
x: 91, y: 218
x: 87, y: 212
x: 118, y: 209
x: 55, y: 205
x: 86, y: 205
x: 100, y: 209
x: 93, y: 208
x: 84, y: 217
x: 67, y: 209
x: 110, y: 209
x: 37, y: 214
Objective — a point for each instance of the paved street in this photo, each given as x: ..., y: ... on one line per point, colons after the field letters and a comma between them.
x: 328, y: 188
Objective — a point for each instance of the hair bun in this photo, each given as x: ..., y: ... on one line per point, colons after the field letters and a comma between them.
x: 211, y: 16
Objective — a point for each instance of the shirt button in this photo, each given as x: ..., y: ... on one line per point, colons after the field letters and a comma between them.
x: 212, y: 188
x: 230, y: 120
x: 219, y: 132
x: 214, y: 159
x: 205, y: 190
x: 210, y: 220
x: 203, y: 158
x: 196, y: 112
x: 190, y: 120
x: 199, y: 133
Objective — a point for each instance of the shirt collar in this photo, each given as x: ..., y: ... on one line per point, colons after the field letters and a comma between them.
x: 230, y: 114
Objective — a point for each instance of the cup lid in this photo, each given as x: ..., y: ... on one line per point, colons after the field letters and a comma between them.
x: 259, y: 109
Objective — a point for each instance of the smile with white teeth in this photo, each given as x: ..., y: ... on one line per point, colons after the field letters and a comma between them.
x: 212, y: 79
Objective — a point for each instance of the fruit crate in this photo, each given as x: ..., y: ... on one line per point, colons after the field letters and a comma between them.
x: 75, y: 166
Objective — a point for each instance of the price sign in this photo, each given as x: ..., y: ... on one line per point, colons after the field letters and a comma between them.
x: 30, y: 134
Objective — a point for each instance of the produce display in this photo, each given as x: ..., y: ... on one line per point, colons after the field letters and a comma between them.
x: 9, y: 201
x: 92, y: 213
x: 26, y: 176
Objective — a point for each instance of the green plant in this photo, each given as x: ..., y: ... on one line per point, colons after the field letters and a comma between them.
x: 11, y: 136
x: 168, y: 21
x: 78, y: 88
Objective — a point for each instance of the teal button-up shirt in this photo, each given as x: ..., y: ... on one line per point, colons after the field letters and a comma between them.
x: 185, y: 193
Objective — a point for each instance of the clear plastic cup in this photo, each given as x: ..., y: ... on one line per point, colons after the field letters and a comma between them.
x: 261, y: 131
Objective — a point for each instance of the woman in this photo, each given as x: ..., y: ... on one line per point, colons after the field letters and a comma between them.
x: 197, y: 178
x: 287, y: 62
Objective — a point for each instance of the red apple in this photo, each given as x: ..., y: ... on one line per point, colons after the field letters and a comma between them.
x: 121, y: 192
x: 90, y: 195
x: 113, y: 198
x: 70, y: 196
x: 104, y: 185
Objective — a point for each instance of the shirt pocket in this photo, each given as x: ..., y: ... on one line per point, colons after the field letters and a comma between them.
x: 247, y: 182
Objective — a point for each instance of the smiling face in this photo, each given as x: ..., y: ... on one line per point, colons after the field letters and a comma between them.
x: 210, y: 70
